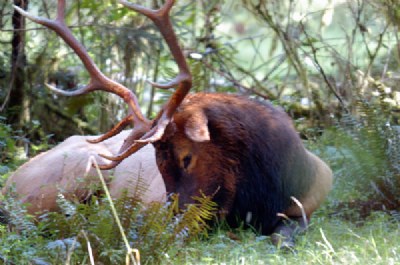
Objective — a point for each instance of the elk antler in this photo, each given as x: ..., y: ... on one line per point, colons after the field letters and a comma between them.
x: 144, y: 131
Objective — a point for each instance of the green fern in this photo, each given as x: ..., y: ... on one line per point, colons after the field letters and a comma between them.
x: 370, y: 140
x: 152, y: 229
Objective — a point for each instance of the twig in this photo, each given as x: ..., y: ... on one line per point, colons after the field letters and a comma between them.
x: 234, y: 81
x: 80, y: 123
x: 303, y: 212
x: 377, y: 190
x: 132, y: 254
x: 3, y: 106
x: 89, y: 248
x: 327, y: 243
x: 71, y: 249
x: 321, y: 69
x: 372, y: 56
x: 386, y: 65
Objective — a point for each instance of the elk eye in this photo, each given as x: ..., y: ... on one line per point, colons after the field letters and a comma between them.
x: 186, y: 161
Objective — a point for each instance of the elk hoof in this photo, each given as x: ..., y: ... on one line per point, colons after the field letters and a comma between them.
x: 285, y: 232
x: 283, y: 242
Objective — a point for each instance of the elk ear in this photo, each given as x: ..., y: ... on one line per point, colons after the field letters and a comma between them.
x: 196, y: 127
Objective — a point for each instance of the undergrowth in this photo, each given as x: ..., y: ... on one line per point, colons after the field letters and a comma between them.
x: 81, y: 232
x: 367, y: 159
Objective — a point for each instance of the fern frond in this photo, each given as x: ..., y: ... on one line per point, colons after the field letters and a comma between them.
x: 372, y: 139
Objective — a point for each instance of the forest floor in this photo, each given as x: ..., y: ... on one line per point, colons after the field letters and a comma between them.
x: 329, y: 240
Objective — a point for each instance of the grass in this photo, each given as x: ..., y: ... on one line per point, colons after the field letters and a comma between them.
x: 328, y: 241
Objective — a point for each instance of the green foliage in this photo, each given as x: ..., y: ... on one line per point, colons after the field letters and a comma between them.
x: 14, y: 146
x: 26, y: 243
x: 153, y: 229
x: 327, y: 241
x: 7, y: 148
x: 369, y: 142
x: 7, y: 143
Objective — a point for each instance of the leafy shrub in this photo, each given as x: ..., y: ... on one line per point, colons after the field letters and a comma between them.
x: 83, y: 231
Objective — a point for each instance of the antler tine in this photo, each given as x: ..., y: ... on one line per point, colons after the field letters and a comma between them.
x: 116, y: 160
x: 162, y: 20
x: 127, y: 147
x: 114, y: 131
x: 98, y: 81
x: 109, y: 166
x: 183, y: 80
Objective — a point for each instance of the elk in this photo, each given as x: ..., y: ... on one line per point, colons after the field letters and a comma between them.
x: 66, y: 169
x: 245, y: 153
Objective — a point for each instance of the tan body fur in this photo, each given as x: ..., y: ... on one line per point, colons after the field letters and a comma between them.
x: 63, y: 168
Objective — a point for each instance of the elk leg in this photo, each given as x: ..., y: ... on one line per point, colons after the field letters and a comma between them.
x: 286, y: 230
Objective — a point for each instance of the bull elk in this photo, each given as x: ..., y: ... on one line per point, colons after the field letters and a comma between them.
x: 244, y: 153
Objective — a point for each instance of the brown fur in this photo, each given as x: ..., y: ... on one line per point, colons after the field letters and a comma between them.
x: 245, y: 153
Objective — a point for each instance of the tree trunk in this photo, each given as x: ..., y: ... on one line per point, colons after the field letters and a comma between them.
x: 18, y: 106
